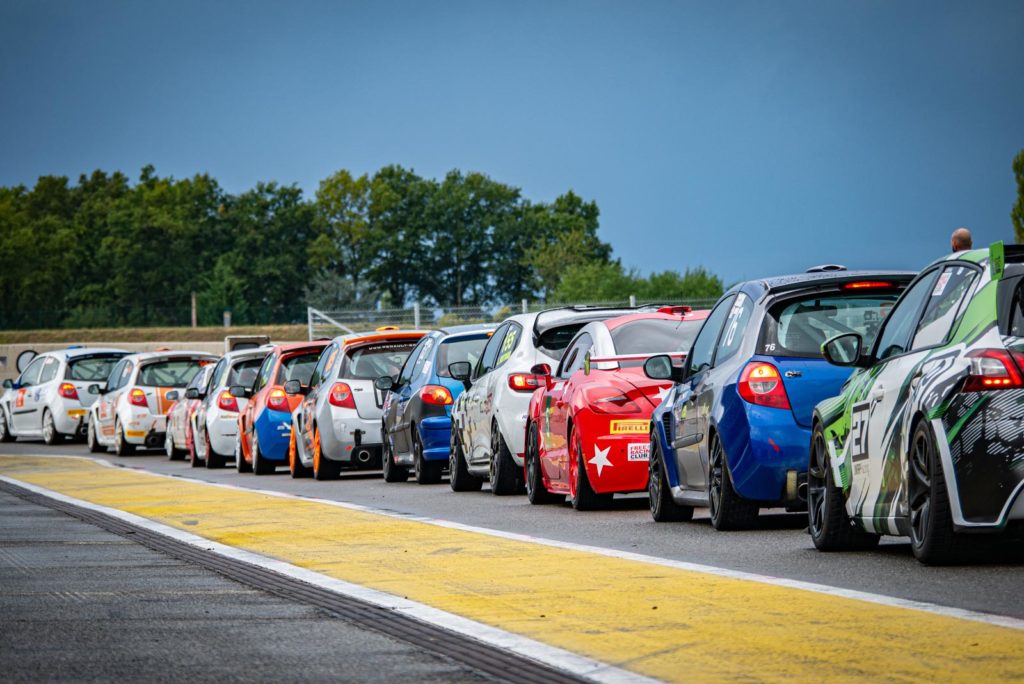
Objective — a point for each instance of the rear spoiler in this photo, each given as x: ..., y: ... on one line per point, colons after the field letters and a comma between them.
x: 1000, y: 254
x: 626, y: 357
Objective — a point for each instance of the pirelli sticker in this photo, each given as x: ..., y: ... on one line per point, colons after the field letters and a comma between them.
x: 629, y: 427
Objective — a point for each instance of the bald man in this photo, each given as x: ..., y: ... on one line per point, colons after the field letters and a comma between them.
x: 961, y: 240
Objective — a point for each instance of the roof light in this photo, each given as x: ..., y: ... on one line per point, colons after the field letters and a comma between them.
x: 866, y: 285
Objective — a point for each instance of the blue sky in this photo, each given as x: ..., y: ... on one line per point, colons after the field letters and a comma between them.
x: 749, y: 137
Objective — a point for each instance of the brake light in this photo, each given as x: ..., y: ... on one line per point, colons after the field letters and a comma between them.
x: 226, y: 402
x: 993, y: 369
x: 436, y: 394
x: 761, y: 384
x: 676, y: 310
x: 68, y: 391
x: 609, y: 400
x: 138, y: 398
x: 278, y: 400
x: 866, y: 285
x: 525, y: 382
x: 341, y: 396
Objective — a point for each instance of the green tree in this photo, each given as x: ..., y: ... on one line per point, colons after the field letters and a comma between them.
x: 565, y: 237
x: 342, y: 202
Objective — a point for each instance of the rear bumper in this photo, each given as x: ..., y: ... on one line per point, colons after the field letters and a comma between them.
x: 145, y: 429
x: 273, y: 430
x: 763, y: 446
x: 435, y: 435
x: 349, y: 436
x: 69, y: 417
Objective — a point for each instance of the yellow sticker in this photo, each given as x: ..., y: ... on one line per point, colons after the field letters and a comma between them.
x: 75, y: 413
x: 629, y: 427
x: 135, y: 433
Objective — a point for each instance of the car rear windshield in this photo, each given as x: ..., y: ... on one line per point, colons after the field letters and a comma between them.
x: 553, y: 341
x: 453, y: 351
x: 172, y: 373
x: 299, y: 367
x: 371, y: 361
x: 244, y: 372
x: 92, y: 368
x: 799, y: 326
x: 653, y: 336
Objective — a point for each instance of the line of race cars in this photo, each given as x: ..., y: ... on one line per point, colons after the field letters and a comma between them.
x: 882, y: 402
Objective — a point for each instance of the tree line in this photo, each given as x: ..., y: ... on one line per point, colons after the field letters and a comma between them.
x: 106, y: 252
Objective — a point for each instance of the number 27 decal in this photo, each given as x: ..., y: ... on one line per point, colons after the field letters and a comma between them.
x: 859, y: 431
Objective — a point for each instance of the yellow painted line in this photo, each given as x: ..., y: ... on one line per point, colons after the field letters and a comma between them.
x: 663, y: 622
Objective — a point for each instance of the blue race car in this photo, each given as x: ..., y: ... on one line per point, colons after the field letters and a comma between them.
x: 733, y: 433
x: 417, y: 421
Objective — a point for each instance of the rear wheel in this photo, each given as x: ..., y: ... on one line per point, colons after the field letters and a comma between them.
x: 729, y: 511
x: 323, y: 467
x: 173, y: 453
x: 5, y: 431
x: 827, y: 521
x: 392, y: 471
x: 427, y: 472
x: 241, y: 465
x: 193, y: 454
x: 50, y: 434
x: 932, y: 537
x: 121, y: 445
x: 503, y: 475
x: 260, y: 465
x: 295, y: 466
x: 213, y: 459
x: 90, y: 437
x: 659, y: 491
x: 460, y: 479
x: 582, y: 495
x: 535, y: 490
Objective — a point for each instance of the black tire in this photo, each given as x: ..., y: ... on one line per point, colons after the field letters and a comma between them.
x: 121, y: 445
x: 932, y: 537
x: 50, y: 435
x: 173, y: 453
x: 392, y: 471
x: 241, y: 465
x: 295, y: 466
x: 659, y: 493
x: 323, y: 468
x: 828, y: 523
x: 729, y: 511
x: 426, y: 472
x: 213, y: 459
x: 91, y: 440
x: 460, y: 479
x: 260, y: 465
x: 536, y: 493
x: 503, y: 475
x: 585, y: 499
x: 5, y: 430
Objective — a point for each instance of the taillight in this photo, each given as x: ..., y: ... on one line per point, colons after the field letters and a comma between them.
x: 226, y: 402
x: 138, y: 398
x: 341, y: 396
x: 436, y: 394
x: 866, y: 285
x: 761, y: 384
x: 609, y: 400
x: 278, y: 400
x: 993, y: 369
x: 524, y: 382
x: 68, y: 391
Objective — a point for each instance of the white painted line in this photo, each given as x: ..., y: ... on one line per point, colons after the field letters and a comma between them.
x: 891, y: 601
x: 543, y: 653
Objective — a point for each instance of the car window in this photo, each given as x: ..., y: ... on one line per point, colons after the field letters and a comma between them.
x: 509, y: 344
x: 406, y: 375
x: 299, y: 367
x: 49, y: 371
x: 244, y: 372
x: 327, y: 355
x: 943, y: 303
x: 31, y: 374
x: 197, y: 381
x: 452, y: 351
x: 169, y: 373
x: 115, y: 375
x: 371, y: 361
x: 491, y: 350
x: 218, y: 373
x: 91, y: 369
x: 735, y: 325
x: 263, y: 377
x: 424, y: 359
x: 126, y: 373
x: 655, y: 335
x: 704, y: 346
x: 574, y: 356
x: 902, y: 320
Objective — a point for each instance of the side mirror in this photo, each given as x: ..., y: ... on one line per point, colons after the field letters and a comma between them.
x: 192, y: 393
x: 385, y: 383
x: 844, y: 350
x: 460, y: 370
x: 93, y: 389
x: 541, y: 369
x: 25, y: 358
x: 8, y: 384
x: 240, y: 391
x: 659, y: 367
x: 293, y: 387
x: 173, y: 395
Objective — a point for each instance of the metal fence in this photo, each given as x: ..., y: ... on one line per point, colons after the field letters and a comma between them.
x: 332, y: 323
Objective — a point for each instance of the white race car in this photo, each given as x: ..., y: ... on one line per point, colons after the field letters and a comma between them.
x: 489, y: 418
x: 215, y: 420
x: 49, y: 399
x: 132, y: 411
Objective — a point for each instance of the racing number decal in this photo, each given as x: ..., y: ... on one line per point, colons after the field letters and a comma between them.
x: 859, y: 431
x: 19, y: 401
x: 507, y: 345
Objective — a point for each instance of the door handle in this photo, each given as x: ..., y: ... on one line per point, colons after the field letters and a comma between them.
x: 877, y: 394
x: 915, y: 379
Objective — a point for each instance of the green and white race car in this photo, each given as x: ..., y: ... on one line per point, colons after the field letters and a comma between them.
x: 927, y: 438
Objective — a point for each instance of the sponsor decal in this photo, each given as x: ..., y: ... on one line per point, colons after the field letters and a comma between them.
x: 639, y: 452
x: 76, y: 413
x: 628, y: 427
x: 135, y: 433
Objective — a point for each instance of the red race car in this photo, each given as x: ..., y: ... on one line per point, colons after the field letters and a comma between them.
x: 588, y: 428
x: 265, y: 424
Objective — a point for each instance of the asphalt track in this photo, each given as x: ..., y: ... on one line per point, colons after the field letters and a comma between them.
x: 655, y: 618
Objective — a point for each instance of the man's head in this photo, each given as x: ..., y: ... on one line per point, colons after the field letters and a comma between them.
x: 961, y: 240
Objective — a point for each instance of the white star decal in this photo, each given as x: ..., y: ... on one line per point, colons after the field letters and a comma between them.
x: 600, y: 459
x: 662, y: 392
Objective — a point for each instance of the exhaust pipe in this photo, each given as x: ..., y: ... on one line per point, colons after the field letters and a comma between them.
x: 364, y: 456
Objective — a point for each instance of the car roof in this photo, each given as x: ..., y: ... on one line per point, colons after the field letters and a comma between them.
x: 175, y: 353
x: 295, y: 346
x: 245, y: 353
x: 468, y: 328
x: 71, y: 352
x: 379, y: 335
x: 568, y: 315
x: 798, y: 281
x: 691, y: 315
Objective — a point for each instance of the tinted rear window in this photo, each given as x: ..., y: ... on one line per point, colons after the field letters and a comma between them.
x: 553, y: 341
x: 174, y: 373
x: 459, y: 350
x: 1010, y: 300
x: 299, y: 367
x: 799, y: 326
x: 371, y: 361
x: 653, y: 336
x: 92, y: 369
x: 244, y: 372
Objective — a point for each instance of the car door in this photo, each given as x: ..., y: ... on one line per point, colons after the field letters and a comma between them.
x: 398, y: 399
x: 45, y: 390
x: 477, y: 429
x: 307, y: 410
x: 256, y: 401
x: 921, y: 321
x: 558, y: 414
x: 23, y: 412
x: 693, y: 398
x: 106, y: 409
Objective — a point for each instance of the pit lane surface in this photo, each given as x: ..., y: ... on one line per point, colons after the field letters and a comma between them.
x: 767, y: 613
